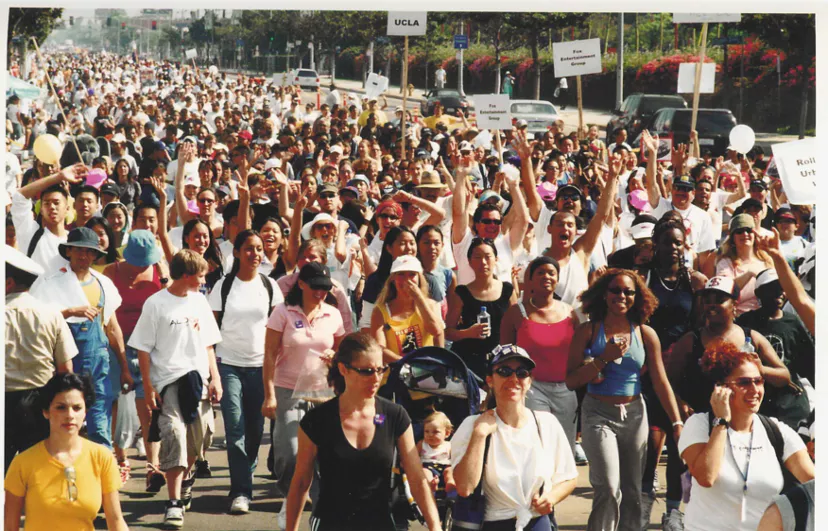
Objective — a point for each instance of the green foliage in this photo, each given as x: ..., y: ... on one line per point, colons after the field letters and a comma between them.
x: 25, y: 23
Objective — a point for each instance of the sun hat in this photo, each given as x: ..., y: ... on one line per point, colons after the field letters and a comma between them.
x: 141, y: 249
x: 430, y: 179
x: 316, y: 276
x: 307, y: 228
x: 502, y: 353
x: 22, y: 262
x: 406, y: 263
x: 80, y: 237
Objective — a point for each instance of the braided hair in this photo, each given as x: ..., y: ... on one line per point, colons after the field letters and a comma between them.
x: 661, y: 228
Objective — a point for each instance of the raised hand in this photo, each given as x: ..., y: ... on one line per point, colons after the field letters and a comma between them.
x: 74, y: 174
x: 649, y: 142
x: 486, y: 423
x: 720, y: 402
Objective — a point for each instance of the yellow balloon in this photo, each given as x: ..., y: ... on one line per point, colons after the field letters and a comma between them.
x: 47, y: 148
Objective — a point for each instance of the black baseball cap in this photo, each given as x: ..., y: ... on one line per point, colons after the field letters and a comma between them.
x: 316, y: 276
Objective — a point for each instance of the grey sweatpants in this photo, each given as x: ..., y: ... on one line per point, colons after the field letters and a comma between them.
x: 285, y: 438
x: 617, y: 451
x: 555, y: 398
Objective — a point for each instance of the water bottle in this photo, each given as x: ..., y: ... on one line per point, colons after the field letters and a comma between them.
x: 748, y: 346
x: 484, y: 318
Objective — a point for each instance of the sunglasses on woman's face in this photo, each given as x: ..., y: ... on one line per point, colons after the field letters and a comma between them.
x: 521, y: 372
x: 618, y: 291
x: 745, y: 230
x: 368, y: 371
x: 746, y: 382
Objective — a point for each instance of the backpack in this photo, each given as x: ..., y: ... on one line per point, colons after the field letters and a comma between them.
x: 778, y: 444
x: 34, y: 241
x: 225, y: 291
x: 798, y: 499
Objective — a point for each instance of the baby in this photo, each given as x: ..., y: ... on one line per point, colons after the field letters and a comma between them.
x: 435, y: 451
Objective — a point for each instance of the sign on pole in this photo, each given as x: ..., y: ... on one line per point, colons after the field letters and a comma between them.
x: 699, y: 18
x: 375, y: 85
x: 493, y: 111
x: 687, y: 78
x: 191, y: 53
x: 406, y: 23
x: 461, y: 42
x: 577, y: 58
x: 796, y: 163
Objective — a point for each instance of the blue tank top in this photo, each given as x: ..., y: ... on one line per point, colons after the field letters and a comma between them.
x: 620, y: 379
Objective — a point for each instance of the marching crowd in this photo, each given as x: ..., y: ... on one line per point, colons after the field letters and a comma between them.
x: 207, y: 240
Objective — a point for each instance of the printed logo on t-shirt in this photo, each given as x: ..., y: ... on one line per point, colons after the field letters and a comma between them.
x: 185, y: 321
x: 409, y: 339
x: 299, y: 324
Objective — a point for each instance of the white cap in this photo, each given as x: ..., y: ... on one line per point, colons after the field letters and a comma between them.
x: 192, y: 180
x: 465, y: 146
x: 22, y: 262
x: 273, y: 163
x: 724, y: 284
x: 336, y: 148
x: 642, y: 231
x: 406, y: 263
x: 308, y: 227
x: 118, y: 138
x: 766, y: 277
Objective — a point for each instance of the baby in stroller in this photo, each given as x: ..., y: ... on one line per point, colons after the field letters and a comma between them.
x: 435, y: 451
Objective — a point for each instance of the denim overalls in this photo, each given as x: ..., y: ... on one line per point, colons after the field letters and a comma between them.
x: 93, y: 360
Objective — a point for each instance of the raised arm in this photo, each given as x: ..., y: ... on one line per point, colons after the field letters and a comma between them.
x: 527, y: 177
x: 159, y: 184
x: 791, y: 285
x: 586, y: 243
x: 436, y: 215
x: 295, y: 238
x: 186, y: 154
x: 244, y: 204
x: 459, y: 206
x: 520, y: 211
x: 72, y: 175
x: 651, y: 174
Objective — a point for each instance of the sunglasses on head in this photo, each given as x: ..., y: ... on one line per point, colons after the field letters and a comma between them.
x: 618, y: 291
x: 521, y: 372
x: 368, y: 371
x: 746, y: 382
x: 491, y: 221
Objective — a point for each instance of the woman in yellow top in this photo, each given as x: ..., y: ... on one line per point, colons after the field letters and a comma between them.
x: 63, y: 479
x: 404, y: 318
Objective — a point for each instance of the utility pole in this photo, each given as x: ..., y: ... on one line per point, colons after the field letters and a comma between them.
x: 619, y: 76
x: 460, y: 64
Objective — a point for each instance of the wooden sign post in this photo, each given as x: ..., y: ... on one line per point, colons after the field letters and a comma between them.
x: 580, y: 109
x: 405, y: 24
x: 403, y: 120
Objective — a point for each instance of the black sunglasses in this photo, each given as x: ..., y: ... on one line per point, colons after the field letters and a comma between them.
x: 571, y: 197
x: 618, y: 291
x: 743, y: 230
x: 491, y: 221
x: 368, y: 371
x: 521, y: 372
x: 327, y: 196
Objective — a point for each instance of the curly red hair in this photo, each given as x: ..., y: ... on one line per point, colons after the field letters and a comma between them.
x: 723, y: 357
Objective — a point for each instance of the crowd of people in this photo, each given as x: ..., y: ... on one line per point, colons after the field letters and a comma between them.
x: 199, y: 241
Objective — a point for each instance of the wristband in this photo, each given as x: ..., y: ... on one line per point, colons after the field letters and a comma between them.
x: 678, y: 423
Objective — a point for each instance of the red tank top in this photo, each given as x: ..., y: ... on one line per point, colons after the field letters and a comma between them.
x: 133, y: 297
x: 547, y: 345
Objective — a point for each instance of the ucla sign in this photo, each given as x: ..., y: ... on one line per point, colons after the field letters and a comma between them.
x: 406, y: 23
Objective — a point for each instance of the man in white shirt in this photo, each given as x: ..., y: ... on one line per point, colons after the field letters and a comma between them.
x: 440, y: 78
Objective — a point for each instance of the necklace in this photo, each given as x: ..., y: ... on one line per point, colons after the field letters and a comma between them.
x: 532, y: 302
x: 665, y: 286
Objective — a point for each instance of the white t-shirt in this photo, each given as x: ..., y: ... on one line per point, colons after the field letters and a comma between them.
x: 719, y: 507
x: 245, y: 319
x: 503, y: 267
x: 702, y: 237
x: 176, y: 332
x: 519, y: 462
x: 718, y: 200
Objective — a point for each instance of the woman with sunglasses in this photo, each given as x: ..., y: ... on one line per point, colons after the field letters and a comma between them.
x: 62, y: 480
x: 739, y: 259
x: 521, y: 457
x: 729, y: 451
x: 608, y: 354
x: 353, y: 440
x: 307, y: 324
x: 474, y: 340
x: 405, y: 318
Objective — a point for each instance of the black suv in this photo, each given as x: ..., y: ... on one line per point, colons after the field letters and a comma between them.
x: 713, y: 125
x: 636, y: 111
x: 451, y: 100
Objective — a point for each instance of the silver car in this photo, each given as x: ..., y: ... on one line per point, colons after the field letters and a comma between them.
x: 539, y: 114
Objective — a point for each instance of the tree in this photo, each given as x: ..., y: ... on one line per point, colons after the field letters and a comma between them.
x: 796, y: 36
x: 25, y: 23
x: 502, y: 34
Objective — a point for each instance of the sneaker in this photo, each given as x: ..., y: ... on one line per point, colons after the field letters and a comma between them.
x: 142, y: 449
x: 202, y: 469
x: 580, y: 456
x: 126, y: 472
x: 647, y: 500
x: 281, y: 518
x: 240, y: 505
x: 187, y: 492
x: 655, y: 481
x: 673, y: 522
x: 155, y: 479
x: 174, y: 517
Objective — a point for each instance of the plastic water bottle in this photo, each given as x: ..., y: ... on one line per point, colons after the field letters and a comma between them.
x: 748, y: 346
x: 484, y: 318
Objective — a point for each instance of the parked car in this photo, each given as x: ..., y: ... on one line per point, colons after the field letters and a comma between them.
x: 451, y: 100
x: 305, y: 78
x: 538, y: 114
x: 713, y: 125
x: 637, y: 110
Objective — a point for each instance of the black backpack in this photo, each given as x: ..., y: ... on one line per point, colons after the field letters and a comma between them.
x: 225, y: 291
x: 34, y: 241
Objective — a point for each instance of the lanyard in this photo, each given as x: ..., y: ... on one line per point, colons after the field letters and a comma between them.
x: 747, y: 469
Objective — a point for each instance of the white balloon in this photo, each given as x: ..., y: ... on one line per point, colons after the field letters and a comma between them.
x: 742, y: 138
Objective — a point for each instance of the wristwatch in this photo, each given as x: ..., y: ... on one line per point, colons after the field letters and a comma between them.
x: 718, y: 421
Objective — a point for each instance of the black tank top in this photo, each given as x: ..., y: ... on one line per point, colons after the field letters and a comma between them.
x: 672, y: 316
x: 473, y: 351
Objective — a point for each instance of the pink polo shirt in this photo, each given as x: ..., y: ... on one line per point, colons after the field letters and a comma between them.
x: 300, y: 337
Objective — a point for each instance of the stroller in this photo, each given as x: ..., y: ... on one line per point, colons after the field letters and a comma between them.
x: 429, y: 379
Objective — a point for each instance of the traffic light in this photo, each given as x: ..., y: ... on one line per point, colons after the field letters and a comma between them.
x: 71, y: 21
x: 109, y: 22
x: 154, y: 24
x: 123, y: 25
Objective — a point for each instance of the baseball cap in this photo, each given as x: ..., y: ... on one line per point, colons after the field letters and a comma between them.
x: 350, y: 189
x: 328, y: 187
x: 273, y: 163
x: 490, y: 194
x: 742, y: 221
x: 118, y: 138
x: 685, y: 181
x: 785, y: 214
x: 406, y: 263
x: 316, y: 276
x: 568, y: 189
x: 465, y: 146
x: 359, y: 179
x: 766, y: 278
x: 520, y: 124
x: 503, y: 353
x: 336, y: 149
x: 642, y: 231
x: 640, y: 200
x: 759, y: 183
x: 111, y: 189
x: 724, y: 285
x: 750, y: 203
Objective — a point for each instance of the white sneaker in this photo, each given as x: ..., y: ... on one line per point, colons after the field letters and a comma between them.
x: 240, y: 505
x: 580, y: 456
x: 655, y: 481
x: 174, y: 517
x: 139, y: 445
x: 281, y: 518
x: 647, y: 500
x: 673, y: 522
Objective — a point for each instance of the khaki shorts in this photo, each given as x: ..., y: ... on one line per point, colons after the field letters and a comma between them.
x: 180, y: 441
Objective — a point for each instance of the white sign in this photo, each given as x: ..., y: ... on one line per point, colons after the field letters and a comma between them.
x: 796, y: 162
x: 406, y: 23
x: 493, y: 111
x: 698, y: 18
x: 375, y: 85
x: 191, y: 53
x: 687, y: 78
x: 577, y: 58
x: 483, y: 139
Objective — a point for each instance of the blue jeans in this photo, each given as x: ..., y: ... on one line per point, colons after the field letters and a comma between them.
x: 92, y: 361
x: 241, y: 407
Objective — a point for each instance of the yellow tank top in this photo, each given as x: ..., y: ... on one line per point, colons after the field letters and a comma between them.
x: 404, y: 336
